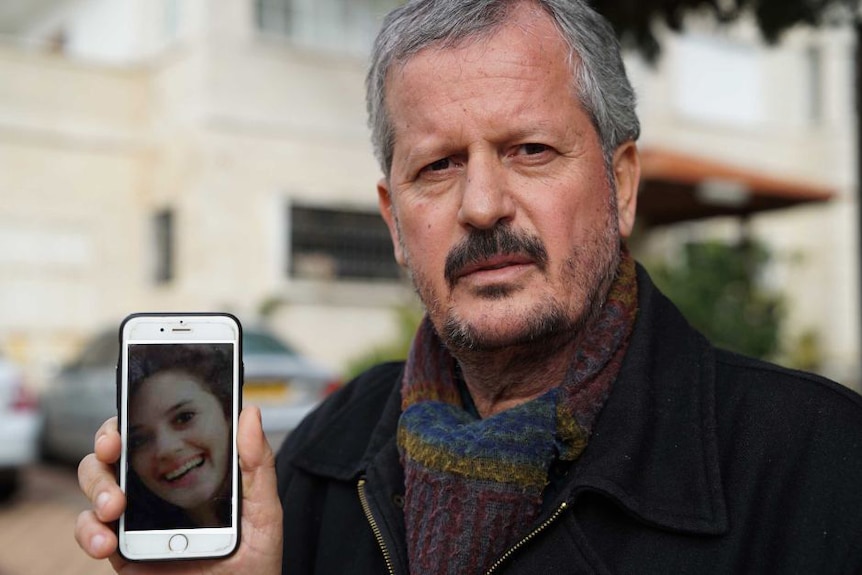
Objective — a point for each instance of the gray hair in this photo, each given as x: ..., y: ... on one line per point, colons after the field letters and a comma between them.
x: 598, y: 70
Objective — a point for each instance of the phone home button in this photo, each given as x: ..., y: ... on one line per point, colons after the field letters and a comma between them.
x: 178, y: 543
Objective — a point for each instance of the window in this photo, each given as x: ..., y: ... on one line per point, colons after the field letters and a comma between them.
x: 274, y: 16
x: 342, y: 25
x: 814, y: 69
x: 163, y: 243
x: 719, y: 81
x: 171, y: 19
x: 340, y: 244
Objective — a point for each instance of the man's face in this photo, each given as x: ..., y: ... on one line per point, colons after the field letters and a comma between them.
x: 499, y: 201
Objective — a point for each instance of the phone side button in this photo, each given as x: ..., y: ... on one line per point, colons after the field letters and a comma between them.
x: 178, y: 543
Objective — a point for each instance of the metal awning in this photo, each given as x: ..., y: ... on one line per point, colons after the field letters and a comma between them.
x: 678, y: 187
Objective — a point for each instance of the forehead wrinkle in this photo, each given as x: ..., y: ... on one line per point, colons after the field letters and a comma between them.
x: 550, y: 49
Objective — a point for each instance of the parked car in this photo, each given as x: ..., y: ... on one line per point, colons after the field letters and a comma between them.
x: 283, y: 383
x: 19, y: 427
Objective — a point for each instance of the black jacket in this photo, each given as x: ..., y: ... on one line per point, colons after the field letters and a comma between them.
x: 701, y: 462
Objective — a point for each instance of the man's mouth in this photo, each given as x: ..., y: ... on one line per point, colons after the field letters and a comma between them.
x: 498, y: 262
x: 183, y: 469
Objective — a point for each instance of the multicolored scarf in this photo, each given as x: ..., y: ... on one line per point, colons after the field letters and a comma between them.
x: 474, y: 486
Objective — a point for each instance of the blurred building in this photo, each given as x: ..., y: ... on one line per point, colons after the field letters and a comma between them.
x: 213, y: 154
x: 780, y: 124
x: 189, y: 155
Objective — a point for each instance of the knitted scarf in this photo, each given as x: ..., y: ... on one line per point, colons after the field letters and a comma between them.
x: 474, y: 486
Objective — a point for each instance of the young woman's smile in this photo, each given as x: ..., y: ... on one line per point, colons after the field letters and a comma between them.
x: 184, y: 471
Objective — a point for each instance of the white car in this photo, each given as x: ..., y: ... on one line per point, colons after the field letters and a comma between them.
x: 284, y: 384
x: 19, y: 427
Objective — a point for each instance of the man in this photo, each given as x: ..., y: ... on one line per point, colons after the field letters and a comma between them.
x: 556, y: 413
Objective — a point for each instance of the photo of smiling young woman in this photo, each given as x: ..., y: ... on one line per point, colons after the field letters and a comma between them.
x: 180, y: 404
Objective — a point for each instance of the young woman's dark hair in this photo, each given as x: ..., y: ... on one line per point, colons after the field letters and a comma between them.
x: 211, y: 364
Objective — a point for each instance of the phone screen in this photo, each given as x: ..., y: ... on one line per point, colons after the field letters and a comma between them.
x: 179, y: 439
x: 180, y: 390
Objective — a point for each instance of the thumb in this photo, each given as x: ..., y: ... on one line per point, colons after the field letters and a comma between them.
x: 261, y: 510
x: 256, y: 459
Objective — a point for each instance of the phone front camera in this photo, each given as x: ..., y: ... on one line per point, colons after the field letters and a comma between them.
x: 162, y: 329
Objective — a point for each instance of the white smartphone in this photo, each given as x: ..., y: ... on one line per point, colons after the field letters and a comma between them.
x: 179, y: 391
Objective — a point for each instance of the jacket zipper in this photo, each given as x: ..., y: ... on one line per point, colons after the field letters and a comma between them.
x: 363, y: 500
x: 530, y: 536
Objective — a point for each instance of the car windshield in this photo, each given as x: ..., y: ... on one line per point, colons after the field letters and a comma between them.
x: 257, y: 342
x: 100, y: 352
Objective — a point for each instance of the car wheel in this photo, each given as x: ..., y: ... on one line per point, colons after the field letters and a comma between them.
x: 46, y: 454
x: 9, y: 479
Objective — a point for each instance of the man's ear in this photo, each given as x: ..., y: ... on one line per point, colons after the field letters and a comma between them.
x: 627, y: 176
x: 387, y: 210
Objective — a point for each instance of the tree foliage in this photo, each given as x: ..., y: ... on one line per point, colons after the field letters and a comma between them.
x: 718, y: 288
x: 407, y: 318
x: 633, y: 19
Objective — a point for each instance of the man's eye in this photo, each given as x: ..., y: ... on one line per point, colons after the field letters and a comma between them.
x: 437, y: 166
x: 532, y: 149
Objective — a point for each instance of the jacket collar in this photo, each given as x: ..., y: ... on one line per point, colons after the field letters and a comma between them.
x: 653, y: 449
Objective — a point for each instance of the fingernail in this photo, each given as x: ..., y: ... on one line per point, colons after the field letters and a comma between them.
x: 102, y: 501
x: 97, y: 542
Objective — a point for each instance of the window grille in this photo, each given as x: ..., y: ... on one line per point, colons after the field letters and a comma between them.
x: 340, y: 244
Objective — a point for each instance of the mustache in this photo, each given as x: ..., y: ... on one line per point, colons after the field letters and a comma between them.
x: 482, y: 245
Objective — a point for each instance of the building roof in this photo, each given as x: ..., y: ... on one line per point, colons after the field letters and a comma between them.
x: 678, y: 187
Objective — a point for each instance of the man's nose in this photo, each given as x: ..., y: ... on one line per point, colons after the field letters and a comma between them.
x: 485, y: 196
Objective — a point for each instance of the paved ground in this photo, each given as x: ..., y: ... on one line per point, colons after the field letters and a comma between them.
x: 36, y: 527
